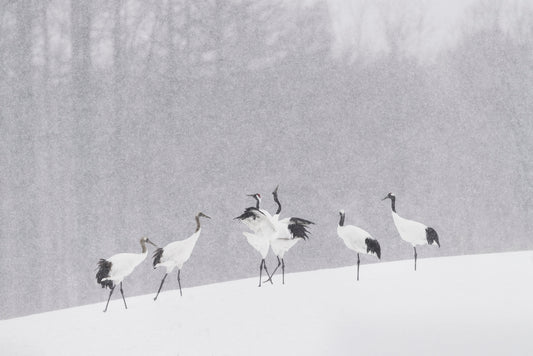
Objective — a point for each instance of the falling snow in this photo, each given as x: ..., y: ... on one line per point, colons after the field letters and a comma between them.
x: 124, y: 119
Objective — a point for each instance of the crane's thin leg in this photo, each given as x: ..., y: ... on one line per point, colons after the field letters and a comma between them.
x: 273, y: 273
x: 122, y: 292
x: 358, y: 262
x: 179, y: 282
x: 266, y: 270
x: 160, y: 286
x: 415, y: 257
x: 283, y: 271
x: 261, y: 271
x: 110, y: 292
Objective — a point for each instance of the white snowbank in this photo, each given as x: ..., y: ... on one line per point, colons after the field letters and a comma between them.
x: 464, y: 305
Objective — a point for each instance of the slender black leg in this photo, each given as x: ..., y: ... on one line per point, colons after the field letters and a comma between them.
x: 283, y: 271
x: 261, y: 271
x: 160, y: 286
x: 122, y: 292
x: 273, y: 273
x: 179, y: 282
x: 110, y: 292
x: 415, y: 257
x: 266, y: 270
x: 358, y: 262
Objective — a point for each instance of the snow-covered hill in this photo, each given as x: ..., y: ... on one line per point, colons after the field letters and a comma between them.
x: 466, y: 305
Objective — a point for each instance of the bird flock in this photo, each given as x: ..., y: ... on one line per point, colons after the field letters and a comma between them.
x: 267, y: 232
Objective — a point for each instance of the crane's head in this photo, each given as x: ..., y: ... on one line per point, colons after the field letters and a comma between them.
x: 390, y: 196
x: 275, y: 192
x: 256, y: 196
x: 202, y: 215
x: 146, y: 239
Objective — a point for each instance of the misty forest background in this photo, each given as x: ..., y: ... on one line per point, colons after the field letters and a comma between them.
x: 122, y: 119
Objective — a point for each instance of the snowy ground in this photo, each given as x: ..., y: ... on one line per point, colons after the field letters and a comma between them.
x: 466, y: 305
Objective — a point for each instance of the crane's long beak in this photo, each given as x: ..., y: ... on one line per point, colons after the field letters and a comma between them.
x: 205, y: 216
x: 150, y: 242
x: 384, y: 198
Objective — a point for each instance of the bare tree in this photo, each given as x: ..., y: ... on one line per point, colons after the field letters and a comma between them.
x: 83, y: 130
x: 118, y: 65
x: 81, y: 46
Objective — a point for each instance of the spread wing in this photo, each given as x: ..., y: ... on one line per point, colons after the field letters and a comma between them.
x: 298, y: 227
x: 257, y: 220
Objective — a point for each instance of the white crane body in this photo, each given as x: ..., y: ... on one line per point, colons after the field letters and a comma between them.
x: 113, y: 270
x: 357, y: 239
x: 259, y: 242
x: 123, y: 265
x: 410, y: 231
x: 176, y: 253
x: 281, y: 245
x: 354, y: 238
x: 287, y: 233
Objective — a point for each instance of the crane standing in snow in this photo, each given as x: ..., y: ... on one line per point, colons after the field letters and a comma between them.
x: 357, y: 239
x: 411, y: 231
x: 113, y: 270
x: 288, y: 232
x: 260, y: 222
x: 176, y: 253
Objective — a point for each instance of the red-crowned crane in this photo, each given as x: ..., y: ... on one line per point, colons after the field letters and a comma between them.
x: 411, y: 231
x: 176, y: 253
x: 259, y: 221
x: 357, y: 239
x: 288, y: 232
x: 113, y: 270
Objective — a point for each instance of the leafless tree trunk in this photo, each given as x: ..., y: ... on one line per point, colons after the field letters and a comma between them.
x: 118, y: 71
x: 218, y: 36
x: 46, y: 59
x: 25, y: 131
x: 171, y: 45
x: 24, y: 69
x: 84, y: 178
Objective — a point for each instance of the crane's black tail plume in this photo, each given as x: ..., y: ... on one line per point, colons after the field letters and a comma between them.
x: 103, y: 268
x: 157, y: 256
x: 431, y: 236
x: 373, y: 246
x: 298, y: 227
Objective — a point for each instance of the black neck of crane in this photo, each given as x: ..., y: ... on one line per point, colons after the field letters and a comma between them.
x: 393, y: 203
x: 341, y: 221
x: 277, y: 202
x: 197, y: 222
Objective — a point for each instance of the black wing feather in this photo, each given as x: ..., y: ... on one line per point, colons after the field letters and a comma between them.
x: 104, y: 266
x: 157, y: 256
x: 298, y: 227
x: 251, y: 212
x: 373, y: 247
x: 432, y: 236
